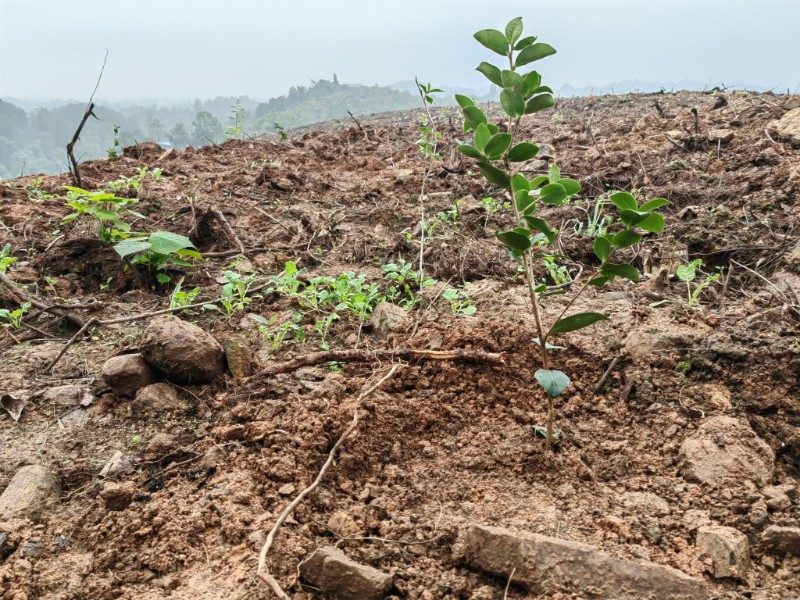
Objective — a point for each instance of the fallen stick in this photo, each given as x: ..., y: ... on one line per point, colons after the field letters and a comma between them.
x: 262, y: 571
x: 228, y: 229
x: 20, y: 293
x: 318, y: 358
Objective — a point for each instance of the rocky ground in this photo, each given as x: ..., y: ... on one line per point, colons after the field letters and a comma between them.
x: 155, y: 454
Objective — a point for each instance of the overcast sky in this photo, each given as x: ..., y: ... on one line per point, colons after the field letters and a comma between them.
x: 205, y: 48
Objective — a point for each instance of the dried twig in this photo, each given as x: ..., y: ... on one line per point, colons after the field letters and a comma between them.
x: 20, y: 293
x: 263, y: 572
x: 228, y: 229
x: 76, y: 176
x: 508, y: 585
x: 361, y: 129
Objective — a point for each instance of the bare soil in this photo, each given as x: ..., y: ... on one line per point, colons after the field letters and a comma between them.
x: 442, y: 444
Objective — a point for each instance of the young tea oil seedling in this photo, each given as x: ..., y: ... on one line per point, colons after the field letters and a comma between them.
x: 181, y: 297
x: 157, y: 252
x: 499, y: 155
x: 460, y: 302
x: 688, y: 273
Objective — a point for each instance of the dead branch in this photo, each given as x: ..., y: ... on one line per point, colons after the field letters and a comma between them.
x: 263, y: 572
x: 366, y: 137
x: 20, y: 293
x: 76, y: 176
x: 318, y: 358
x: 227, y: 227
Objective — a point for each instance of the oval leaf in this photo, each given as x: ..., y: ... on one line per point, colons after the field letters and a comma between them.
x: 554, y: 382
x: 128, y: 247
x: 655, y: 203
x: 522, y: 152
x: 540, y: 102
x: 497, y: 145
x: 514, y: 30
x: 166, y: 242
x: 579, y: 321
x: 512, y: 79
x: 602, y: 248
x: 513, y: 103
x: 534, y: 52
x: 495, y: 176
x: 654, y: 222
x: 541, y: 225
x: 624, y: 201
x: 514, y: 239
x: 626, y: 238
x: 520, y: 182
x: 482, y: 137
x: 470, y: 151
x: 633, y: 217
x: 493, y: 40
x: 571, y: 186
x: 553, y: 193
x: 626, y: 271
x: 525, y: 42
x: 491, y: 72
x: 464, y: 101
x: 525, y: 202
x: 474, y: 116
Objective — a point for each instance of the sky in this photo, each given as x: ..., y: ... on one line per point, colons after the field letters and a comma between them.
x: 185, y: 49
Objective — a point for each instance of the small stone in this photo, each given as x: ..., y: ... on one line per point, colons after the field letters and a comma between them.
x: 6, y: 547
x: 117, y: 496
x: 68, y: 395
x: 240, y: 357
x: 127, y: 373
x: 386, y: 318
x: 343, y: 524
x: 788, y: 127
x: 329, y: 570
x: 720, y: 135
x: 773, y: 491
x: 694, y: 519
x: 728, y: 549
x: 647, y: 503
x: 779, y: 503
x: 158, y: 399
x: 31, y: 489
x: 116, y: 464
x: 782, y: 540
x: 30, y: 548
x: 160, y: 447
x: 287, y: 489
x: 257, y: 539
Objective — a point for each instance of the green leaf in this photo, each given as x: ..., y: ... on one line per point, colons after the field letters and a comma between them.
x: 525, y: 202
x: 474, y: 116
x: 166, y: 242
x: 464, y: 101
x: 516, y: 239
x: 470, y: 151
x: 624, y: 201
x: 602, y: 248
x: 654, y: 222
x: 105, y: 215
x: 626, y: 271
x: 495, y: 175
x: 514, y: 30
x: 626, y: 238
x: 522, y: 152
x: 688, y: 272
x: 512, y: 79
x: 520, y: 182
x: 491, y: 72
x: 128, y: 247
x: 655, y: 203
x: 571, y: 186
x: 554, y: 382
x: 513, y: 103
x: 497, y: 145
x: 553, y: 193
x: 190, y: 253
x: 541, y: 225
x: 599, y: 281
x: 525, y: 42
x: 540, y: 102
x: 163, y: 278
x: 633, y: 217
x: 537, y: 181
x: 482, y: 137
x: 579, y: 321
x: 493, y: 129
x: 534, y: 52
x: 532, y: 81
x: 493, y: 40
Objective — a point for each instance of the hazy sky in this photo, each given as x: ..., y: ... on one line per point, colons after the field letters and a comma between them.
x: 204, y: 48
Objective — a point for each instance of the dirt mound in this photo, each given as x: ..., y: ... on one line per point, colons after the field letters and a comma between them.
x: 171, y: 494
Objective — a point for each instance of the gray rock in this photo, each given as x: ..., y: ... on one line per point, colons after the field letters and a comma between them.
x: 545, y: 565
x: 156, y: 399
x: 68, y: 395
x: 782, y: 540
x: 728, y: 549
x: 183, y: 352
x: 386, y: 318
x: 30, y: 548
x: 30, y: 491
x: 127, y: 373
x: 724, y: 448
x: 333, y: 573
x: 646, y: 502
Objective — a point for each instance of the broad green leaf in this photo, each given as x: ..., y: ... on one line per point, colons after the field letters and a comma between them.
x: 190, y: 253
x: 105, y: 215
x: 76, y: 190
x: 513, y: 103
x: 493, y: 40
x: 493, y: 129
x: 579, y: 321
x: 474, y: 116
x: 516, y: 239
x: 626, y: 238
x: 541, y: 225
x: 181, y: 262
x: 624, y: 201
x: 537, y: 181
x: 464, y: 101
x: 554, y: 382
x: 69, y: 218
x: 554, y: 174
x: 602, y: 248
x: 128, y: 247
x: 512, y: 79
x: 523, y: 152
x: 525, y: 42
x: 166, y: 242
x: 520, y: 182
x: 482, y: 137
x: 599, y: 281
x: 514, y: 30
x: 688, y: 272
x: 634, y: 217
x: 532, y: 81
x: 495, y: 175
x: 163, y: 278
x: 497, y: 145
x: 540, y: 102
x: 571, y: 186
x: 470, y: 151
x: 525, y: 202
x: 654, y: 204
x: 491, y: 72
x: 534, y: 52
x: 542, y: 89
x: 654, y: 222
x: 626, y: 271
x: 553, y: 193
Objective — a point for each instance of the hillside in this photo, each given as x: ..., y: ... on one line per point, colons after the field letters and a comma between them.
x: 677, y: 467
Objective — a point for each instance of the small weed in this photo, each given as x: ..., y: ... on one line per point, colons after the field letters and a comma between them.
x: 688, y: 273
x: 114, y: 151
x: 13, y: 318
x: 322, y: 327
x: 492, y: 206
x: 281, y: 131
x: 6, y: 260
x: 404, y: 280
x: 277, y: 333
x: 596, y: 223
x: 107, y: 208
x: 683, y: 367
x: 460, y: 302
x: 180, y: 297
x: 235, y: 128
x: 559, y: 274
x: 558, y: 117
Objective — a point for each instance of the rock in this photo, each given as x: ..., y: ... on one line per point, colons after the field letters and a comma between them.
x: 127, y: 373
x: 240, y: 357
x: 160, y: 447
x: 643, y: 342
x: 29, y: 491
x: 782, y: 540
x: 720, y: 136
x: 694, y: 519
x: 646, y: 503
x: 545, y: 565
x: 68, y: 395
x: 386, y: 318
x: 786, y: 489
x: 333, y: 573
x: 343, y: 524
x: 6, y: 546
x: 728, y: 549
x: 116, y: 464
x: 257, y: 539
x: 726, y: 448
x: 182, y: 351
x: 117, y: 496
x: 158, y: 398
x: 30, y: 548
x: 287, y: 489
x: 788, y: 127
x: 779, y: 503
